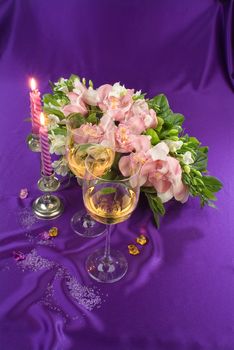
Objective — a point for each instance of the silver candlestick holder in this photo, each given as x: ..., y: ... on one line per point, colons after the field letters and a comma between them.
x: 48, y: 206
x: 34, y: 143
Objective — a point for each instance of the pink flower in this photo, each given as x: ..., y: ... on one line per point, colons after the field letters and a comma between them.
x: 126, y: 142
x: 108, y: 128
x: 88, y: 133
x: 158, y: 170
x: 115, y: 99
x: 89, y: 95
x: 77, y: 105
x: 103, y: 133
x: 140, y: 117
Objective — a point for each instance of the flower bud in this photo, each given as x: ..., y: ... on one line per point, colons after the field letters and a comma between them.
x: 154, y: 136
x: 187, y: 169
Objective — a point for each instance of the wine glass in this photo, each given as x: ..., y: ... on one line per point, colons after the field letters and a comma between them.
x: 109, y: 201
x: 81, y: 222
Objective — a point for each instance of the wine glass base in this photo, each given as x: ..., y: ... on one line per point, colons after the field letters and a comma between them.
x: 83, y: 225
x: 106, y: 269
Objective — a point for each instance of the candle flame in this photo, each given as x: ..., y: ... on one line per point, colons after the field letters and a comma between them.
x: 42, y: 119
x: 33, y: 84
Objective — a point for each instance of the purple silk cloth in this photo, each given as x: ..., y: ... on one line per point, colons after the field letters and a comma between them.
x: 179, y: 291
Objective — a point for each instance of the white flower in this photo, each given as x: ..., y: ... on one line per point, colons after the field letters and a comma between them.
x: 61, y: 85
x: 173, y: 145
x: 57, y: 145
x: 61, y: 166
x: 137, y: 93
x: 117, y: 90
x: 187, y: 158
x: 159, y: 152
x: 53, y: 121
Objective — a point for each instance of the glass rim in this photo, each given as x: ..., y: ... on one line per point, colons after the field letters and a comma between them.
x: 129, y: 178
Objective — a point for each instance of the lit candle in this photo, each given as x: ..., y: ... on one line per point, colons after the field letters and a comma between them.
x: 47, y: 169
x: 35, y: 105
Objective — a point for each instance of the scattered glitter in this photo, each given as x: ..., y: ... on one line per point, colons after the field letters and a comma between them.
x: 45, y: 235
x: 133, y: 250
x: 18, y: 256
x: 53, y: 232
x: 84, y: 295
x: 23, y: 193
x: 35, y: 262
x: 27, y: 218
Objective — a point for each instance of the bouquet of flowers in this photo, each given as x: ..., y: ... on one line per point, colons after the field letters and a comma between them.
x: 174, y: 164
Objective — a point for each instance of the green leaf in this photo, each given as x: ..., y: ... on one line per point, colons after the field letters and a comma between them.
x: 200, y: 162
x: 148, y: 190
x: 49, y: 98
x: 175, y: 119
x: 56, y: 112
x: 160, y: 104
x: 92, y: 118
x: 212, y: 183
x: 76, y: 119
x: 209, y: 194
x: 60, y: 131
x: 108, y: 190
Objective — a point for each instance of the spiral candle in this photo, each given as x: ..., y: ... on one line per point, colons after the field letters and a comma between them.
x: 47, y: 169
x: 35, y: 106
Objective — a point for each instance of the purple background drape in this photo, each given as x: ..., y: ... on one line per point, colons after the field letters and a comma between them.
x: 178, y: 294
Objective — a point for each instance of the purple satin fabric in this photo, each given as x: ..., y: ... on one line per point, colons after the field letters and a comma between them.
x: 178, y: 293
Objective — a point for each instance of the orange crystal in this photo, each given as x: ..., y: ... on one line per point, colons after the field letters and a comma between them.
x: 53, y: 232
x: 133, y: 250
x: 142, y: 240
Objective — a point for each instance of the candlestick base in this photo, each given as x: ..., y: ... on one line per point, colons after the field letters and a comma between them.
x: 47, y: 207
x: 34, y: 143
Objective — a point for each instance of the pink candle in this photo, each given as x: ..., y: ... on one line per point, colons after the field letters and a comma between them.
x: 47, y: 169
x: 35, y: 105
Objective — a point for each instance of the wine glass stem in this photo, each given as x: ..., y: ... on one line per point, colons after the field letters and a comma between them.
x: 107, y: 244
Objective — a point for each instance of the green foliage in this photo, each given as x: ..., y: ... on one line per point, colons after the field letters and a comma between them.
x: 156, y: 206
x: 92, y: 118
x: 154, y: 136
x: 54, y: 111
x: 76, y: 119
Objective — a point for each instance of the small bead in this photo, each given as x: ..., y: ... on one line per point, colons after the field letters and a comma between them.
x: 23, y: 193
x: 18, y: 256
x: 133, y: 250
x: 142, y: 240
x: 53, y: 232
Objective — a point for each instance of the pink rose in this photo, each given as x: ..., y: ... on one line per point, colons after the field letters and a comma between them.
x: 77, y: 105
